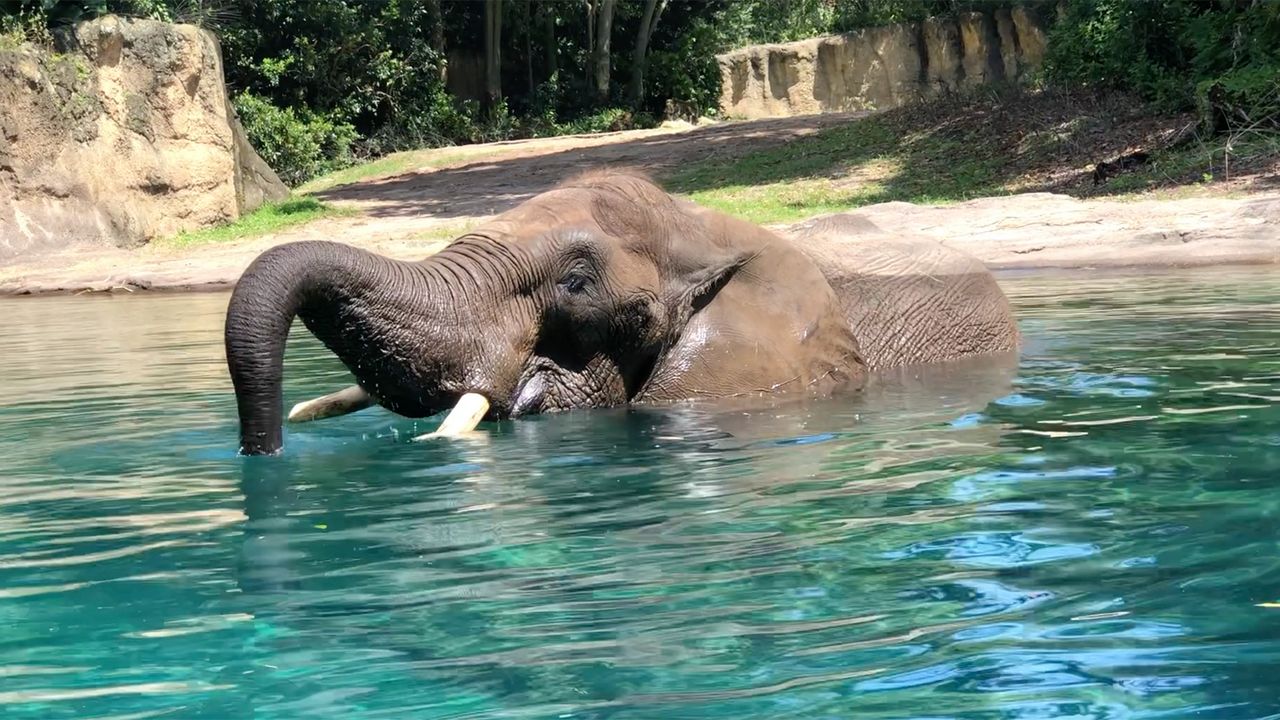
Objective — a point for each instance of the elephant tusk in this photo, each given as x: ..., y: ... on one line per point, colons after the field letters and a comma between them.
x: 462, y: 419
x: 347, y: 400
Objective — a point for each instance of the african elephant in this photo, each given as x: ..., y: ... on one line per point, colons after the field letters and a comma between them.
x: 603, y: 291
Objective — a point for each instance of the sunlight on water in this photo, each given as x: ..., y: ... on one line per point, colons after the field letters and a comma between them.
x: 1088, y: 531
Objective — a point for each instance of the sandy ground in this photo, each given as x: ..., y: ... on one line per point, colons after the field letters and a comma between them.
x: 1043, y: 230
x: 413, y: 214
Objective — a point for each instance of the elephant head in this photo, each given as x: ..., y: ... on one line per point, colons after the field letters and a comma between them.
x: 601, y: 291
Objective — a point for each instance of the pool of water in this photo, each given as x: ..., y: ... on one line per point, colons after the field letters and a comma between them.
x: 1087, y: 532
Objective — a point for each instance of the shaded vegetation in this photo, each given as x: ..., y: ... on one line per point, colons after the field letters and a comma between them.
x: 298, y: 144
x: 1219, y: 56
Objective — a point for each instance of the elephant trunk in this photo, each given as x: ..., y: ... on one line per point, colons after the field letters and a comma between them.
x: 320, y: 281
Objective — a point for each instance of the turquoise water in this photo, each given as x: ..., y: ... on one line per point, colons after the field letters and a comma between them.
x: 1090, y: 532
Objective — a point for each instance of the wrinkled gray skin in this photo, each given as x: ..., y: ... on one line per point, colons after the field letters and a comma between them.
x: 605, y: 291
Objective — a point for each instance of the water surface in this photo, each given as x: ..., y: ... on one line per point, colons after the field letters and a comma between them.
x: 1086, y: 532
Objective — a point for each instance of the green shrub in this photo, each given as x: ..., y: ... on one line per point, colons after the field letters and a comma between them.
x: 25, y: 27
x: 64, y: 12
x: 685, y: 72
x: 542, y: 114
x: 432, y: 121
x: 297, y: 144
x: 57, y: 12
x: 1124, y: 45
x: 496, y: 124
x: 1247, y: 97
x: 607, y: 120
x: 1221, y: 57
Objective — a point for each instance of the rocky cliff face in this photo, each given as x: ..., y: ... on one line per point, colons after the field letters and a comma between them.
x: 882, y: 67
x: 123, y: 135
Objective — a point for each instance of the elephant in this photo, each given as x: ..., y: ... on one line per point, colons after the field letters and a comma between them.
x: 603, y: 291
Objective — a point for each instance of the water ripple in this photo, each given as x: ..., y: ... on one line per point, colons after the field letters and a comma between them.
x: 1087, y: 533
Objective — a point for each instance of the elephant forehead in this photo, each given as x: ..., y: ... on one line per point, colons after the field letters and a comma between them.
x: 551, y: 251
x: 572, y: 203
x: 631, y: 212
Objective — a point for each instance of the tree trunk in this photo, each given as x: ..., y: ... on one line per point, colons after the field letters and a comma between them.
x: 492, y: 52
x: 649, y: 21
x: 438, y: 36
x: 528, y: 44
x: 591, y: 35
x: 601, y: 57
x: 549, y: 39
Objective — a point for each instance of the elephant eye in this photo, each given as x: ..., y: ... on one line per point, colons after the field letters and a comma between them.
x: 574, y: 282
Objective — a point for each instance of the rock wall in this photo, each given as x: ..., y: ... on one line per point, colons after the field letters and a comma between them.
x: 123, y: 135
x: 881, y: 67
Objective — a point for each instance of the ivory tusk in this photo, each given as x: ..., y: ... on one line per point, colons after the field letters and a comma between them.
x: 347, y: 400
x: 463, y: 418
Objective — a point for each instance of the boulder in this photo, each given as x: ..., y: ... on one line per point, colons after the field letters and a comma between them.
x: 123, y: 134
x: 774, y: 80
x: 894, y: 64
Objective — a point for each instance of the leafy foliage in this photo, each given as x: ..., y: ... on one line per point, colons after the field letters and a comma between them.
x: 1222, y: 56
x: 322, y: 82
x: 54, y: 13
x: 299, y: 144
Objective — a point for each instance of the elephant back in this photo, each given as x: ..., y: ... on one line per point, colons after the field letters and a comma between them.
x: 909, y: 300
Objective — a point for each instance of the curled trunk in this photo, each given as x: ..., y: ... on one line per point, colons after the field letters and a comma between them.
x: 338, y: 291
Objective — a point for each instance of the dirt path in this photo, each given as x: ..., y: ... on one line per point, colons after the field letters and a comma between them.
x: 412, y: 214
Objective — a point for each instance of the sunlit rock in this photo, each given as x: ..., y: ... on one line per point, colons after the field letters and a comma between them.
x: 120, y: 135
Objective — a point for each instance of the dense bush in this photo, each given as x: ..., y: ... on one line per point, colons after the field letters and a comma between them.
x: 1221, y: 56
x: 298, y: 143
x: 61, y: 12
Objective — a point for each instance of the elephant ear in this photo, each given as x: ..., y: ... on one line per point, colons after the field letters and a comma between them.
x: 698, y: 280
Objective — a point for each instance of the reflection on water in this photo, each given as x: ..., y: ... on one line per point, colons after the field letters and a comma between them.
x: 1087, y: 531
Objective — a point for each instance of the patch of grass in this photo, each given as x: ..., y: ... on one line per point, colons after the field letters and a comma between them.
x: 951, y: 150
x: 868, y: 161
x: 270, y: 218
x: 391, y: 165
x: 1203, y: 162
x: 446, y: 232
x: 11, y: 39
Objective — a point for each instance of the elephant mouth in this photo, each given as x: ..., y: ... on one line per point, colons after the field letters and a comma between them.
x: 547, y: 386
x: 531, y: 390
x: 530, y: 395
